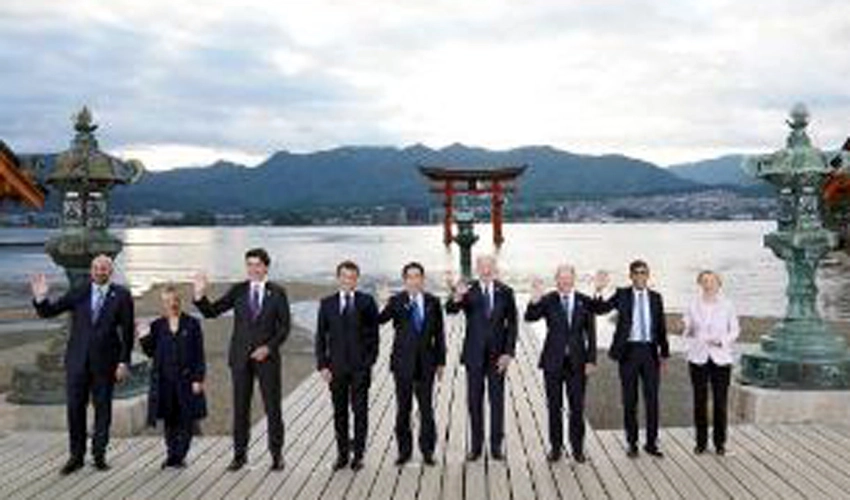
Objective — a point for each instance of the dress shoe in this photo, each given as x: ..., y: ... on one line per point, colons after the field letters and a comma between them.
x: 341, y: 462
x: 579, y: 457
x: 277, y: 462
x: 100, y: 463
x: 472, y: 456
x: 654, y: 451
x: 401, y: 460
x: 632, y: 452
x: 428, y: 459
x: 699, y: 449
x: 237, y: 463
x: 553, y: 455
x: 71, y: 466
x: 357, y: 463
x: 720, y: 450
x: 497, y: 455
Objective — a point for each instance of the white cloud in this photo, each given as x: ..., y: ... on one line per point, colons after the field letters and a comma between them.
x: 659, y: 80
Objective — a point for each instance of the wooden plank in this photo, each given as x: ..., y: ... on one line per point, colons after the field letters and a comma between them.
x: 799, y: 474
x: 715, y: 468
x: 808, y: 452
x: 688, y: 463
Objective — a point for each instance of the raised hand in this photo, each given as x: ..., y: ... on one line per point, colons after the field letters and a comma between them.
x: 200, y: 284
x: 601, y: 280
x: 383, y: 291
x: 143, y: 329
x: 39, y: 286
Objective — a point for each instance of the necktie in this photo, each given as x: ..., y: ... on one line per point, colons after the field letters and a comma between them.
x: 349, y: 304
x: 488, y: 297
x: 568, y: 309
x: 418, y: 316
x: 255, y: 301
x: 644, y: 335
x: 99, y: 297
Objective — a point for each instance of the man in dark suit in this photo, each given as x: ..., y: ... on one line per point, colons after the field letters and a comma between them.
x: 261, y: 323
x: 488, y: 348
x: 346, y: 349
x: 640, y: 347
x: 97, y: 354
x: 568, y: 356
x: 419, y: 352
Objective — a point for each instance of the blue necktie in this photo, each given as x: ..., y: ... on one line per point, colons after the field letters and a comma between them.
x: 644, y: 335
x: 255, y: 302
x: 98, y: 303
x: 418, y: 317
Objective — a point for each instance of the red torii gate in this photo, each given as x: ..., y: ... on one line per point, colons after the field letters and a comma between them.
x: 15, y: 184
x: 450, y: 182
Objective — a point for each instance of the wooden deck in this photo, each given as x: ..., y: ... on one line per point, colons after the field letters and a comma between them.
x: 783, y: 461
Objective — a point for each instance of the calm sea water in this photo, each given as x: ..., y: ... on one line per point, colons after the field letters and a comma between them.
x: 754, y: 278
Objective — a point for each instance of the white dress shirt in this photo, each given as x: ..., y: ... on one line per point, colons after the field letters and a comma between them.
x: 342, y: 295
x: 709, y: 322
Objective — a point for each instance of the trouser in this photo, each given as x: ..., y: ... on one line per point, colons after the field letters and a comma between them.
x: 572, y: 379
x: 351, y: 390
x: 718, y: 376
x: 475, y: 379
x: 79, y: 387
x: 640, y: 365
x: 243, y: 376
x: 405, y: 388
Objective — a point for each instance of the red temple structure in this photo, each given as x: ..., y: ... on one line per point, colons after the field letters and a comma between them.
x: 15, y: 184
x: 454, y: 182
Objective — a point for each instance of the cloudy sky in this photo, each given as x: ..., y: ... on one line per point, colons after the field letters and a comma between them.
x: 184, y: 82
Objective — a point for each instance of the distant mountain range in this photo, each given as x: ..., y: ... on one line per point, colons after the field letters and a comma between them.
x: 369, y: 176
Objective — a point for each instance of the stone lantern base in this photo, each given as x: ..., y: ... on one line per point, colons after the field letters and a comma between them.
x: 761, y: 405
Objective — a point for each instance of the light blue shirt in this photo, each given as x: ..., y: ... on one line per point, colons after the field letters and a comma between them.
x: 640, y: 317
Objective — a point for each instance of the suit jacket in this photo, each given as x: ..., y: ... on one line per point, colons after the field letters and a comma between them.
x: 270, y: 328
x: 579, y: 334
x: 486, y: 338
x: 105, y: 342
x: 623, y: 301
x: 346, y: 345
x: 191, y: 366
x: 427, y: 347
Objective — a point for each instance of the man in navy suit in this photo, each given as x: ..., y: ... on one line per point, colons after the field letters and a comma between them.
x: 346, y: 349
x: 261, y: 324
x: 419, y: 353
x: 488, y: 348
x: 568, y: 356
x: 640, y: 347
x: 97, y: 354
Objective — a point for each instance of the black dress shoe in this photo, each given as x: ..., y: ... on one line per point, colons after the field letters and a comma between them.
x: 553, y: 455
x: 357, y: 463
x: 579, y: 457
x: 401, y: 460
x: 428, y: 459
x: 720, y: 450
x: 100, y: 463
x: 472, y: 456
x: 654, y: 451
x: 237, y: 463
x: 277, y: 462
x: 173, y: 463
x: 71, y: 466
x: 341, y: 462
x: 497, y: 455
x: 632, y: 452
x: 699, y: 449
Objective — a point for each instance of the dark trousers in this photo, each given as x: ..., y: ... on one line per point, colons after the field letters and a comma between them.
x: 640, y: 365
x: 718, y: 376
x: 573, y: 379
x: 178, y: 434
x: 475, y: 378
x: 422, y: 386
x: 268, y: 374
x: 79, y: 386
x: 351, y: 389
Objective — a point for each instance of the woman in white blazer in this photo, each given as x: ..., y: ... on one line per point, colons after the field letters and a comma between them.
x: 711, y: 328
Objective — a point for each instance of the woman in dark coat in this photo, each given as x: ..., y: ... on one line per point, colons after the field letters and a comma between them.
x: 175, y: 343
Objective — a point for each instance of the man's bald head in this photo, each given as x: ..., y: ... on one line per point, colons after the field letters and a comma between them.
x: 101, y: 269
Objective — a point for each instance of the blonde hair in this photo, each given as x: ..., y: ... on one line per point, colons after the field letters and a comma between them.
x: 708, y: 272
x: 171, y: 289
